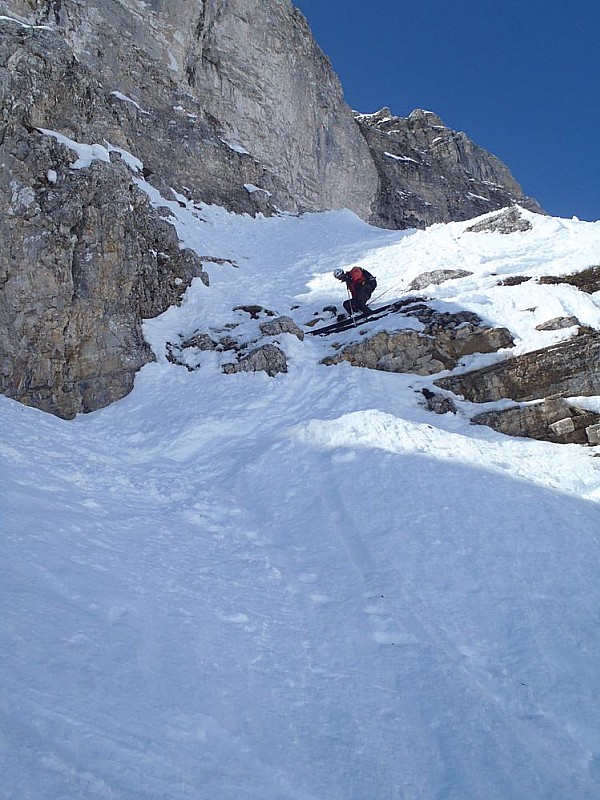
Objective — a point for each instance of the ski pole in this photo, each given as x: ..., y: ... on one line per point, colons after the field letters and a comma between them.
x: 351, y: 306
x: 381, y: 294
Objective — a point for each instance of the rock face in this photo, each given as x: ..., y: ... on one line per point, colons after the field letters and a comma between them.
x: 238, y: 87
x: 552, y: 420
x: 241, y: 94
x: 251, y: 354
x: 78, y: 278
x: 567, y: 369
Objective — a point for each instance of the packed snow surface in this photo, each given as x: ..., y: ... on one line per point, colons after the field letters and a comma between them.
x: 307, y: 587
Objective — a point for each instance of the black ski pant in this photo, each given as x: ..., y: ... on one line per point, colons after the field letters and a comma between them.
x: 359, y: 303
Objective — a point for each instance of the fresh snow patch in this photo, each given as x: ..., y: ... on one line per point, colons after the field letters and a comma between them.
x: 86, y: 152
x: 132, y: 161
x: 478, y: 197
x: 173, y: 63
x: 24, y: 24
x: 237, y: 148
x: 400, y: 158
x: 126, y: 99
x: 251, y: 188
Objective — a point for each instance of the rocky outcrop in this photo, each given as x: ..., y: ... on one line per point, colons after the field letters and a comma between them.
x: 588, y: 280
x: 281, y: 325
x: 445, y: 339
x: 554, y: 420
x: 430, y: 173
x: 251, y: 355
x: 567, y: 369
x: 538, y: 383
x: 508, y: 221
x: 78, y: 277
x: 436, y: 277
x: 268, y: 358
x: 438, y: 403
x: 546, y: 377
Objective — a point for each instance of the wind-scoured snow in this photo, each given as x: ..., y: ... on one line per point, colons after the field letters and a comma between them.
x: 307, y: 587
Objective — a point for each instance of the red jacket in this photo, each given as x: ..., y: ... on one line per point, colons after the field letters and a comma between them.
x: 354, y: 279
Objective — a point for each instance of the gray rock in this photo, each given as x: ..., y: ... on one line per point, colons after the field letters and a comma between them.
x: 438, y: 403
x: 509, y: 221
x: 281, y: 325
x: 567, y: 369
x: 593, y: 434
x: 268, y: 358
x: 186, y: 353
x: 469, y: 339
x: 558, y: 323
x: 421, y: 353
x: 436, y: 277
x: 551, y: 420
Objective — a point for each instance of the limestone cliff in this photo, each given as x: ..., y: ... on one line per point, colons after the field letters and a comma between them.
x: 242, y: 93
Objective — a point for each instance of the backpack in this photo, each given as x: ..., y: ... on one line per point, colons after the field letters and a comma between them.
x: 358, y: 275
x: 370, y: 280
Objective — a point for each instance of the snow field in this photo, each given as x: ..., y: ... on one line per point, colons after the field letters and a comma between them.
x: 305, y: 587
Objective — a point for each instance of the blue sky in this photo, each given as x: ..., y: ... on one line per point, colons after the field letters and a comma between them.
x: 522, y: 79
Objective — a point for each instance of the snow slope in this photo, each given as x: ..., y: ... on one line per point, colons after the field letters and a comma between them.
x: 307, y: 587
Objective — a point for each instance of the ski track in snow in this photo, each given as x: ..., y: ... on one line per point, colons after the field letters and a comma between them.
x: 306, y: 587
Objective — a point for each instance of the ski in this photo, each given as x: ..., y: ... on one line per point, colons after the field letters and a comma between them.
x: 362, y: 319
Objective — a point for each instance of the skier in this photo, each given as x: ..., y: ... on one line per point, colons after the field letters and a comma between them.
x: 361, y: 285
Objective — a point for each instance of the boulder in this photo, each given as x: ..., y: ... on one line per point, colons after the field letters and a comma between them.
x: 281, y: 325
x: 438, y: 403
x: 436, y: 277
x: 558, y: 323
x: 268, y: 358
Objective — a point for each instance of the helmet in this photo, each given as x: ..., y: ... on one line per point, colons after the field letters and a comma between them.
x: 338, y: 273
